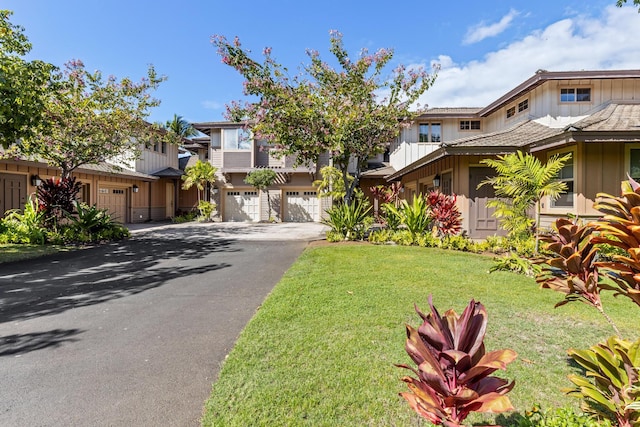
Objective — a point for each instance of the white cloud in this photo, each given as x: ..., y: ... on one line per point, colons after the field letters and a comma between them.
x: 482, y: 31
x: 212, y: 105
x: 578, y: 43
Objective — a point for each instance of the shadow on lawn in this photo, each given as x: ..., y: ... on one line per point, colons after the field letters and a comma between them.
x: 12, y: 345
x: 56, y: 283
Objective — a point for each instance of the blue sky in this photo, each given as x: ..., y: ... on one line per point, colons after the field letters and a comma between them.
x: 484, y: 48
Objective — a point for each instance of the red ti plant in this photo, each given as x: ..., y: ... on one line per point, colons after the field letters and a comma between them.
x: 453, y: 374
x: 445, y: 213
x: 385, y: 194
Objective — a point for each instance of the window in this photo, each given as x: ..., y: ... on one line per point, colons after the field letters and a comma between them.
x: 524, y: 105
x: 581, y: 94
x: 511, y: 112
x: 469, y: 124
x: 236, y: 139
x: 164, y: 147
x: 430, y: 132
x: 632, y: 160
x: 565, y: 175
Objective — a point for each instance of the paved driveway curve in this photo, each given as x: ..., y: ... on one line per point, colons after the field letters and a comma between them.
x: 134, y: 333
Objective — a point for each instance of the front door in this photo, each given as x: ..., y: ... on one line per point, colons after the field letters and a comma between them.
x: 482, y: 223
x: 13, y: 192
x: 169, y: 200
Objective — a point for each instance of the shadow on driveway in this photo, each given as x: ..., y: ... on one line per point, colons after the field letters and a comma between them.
x: 13, y: 345
x: 56, y: 283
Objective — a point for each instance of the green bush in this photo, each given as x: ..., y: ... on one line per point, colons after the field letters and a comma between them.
x: 515, y: 263
x: 559, y: 417
x: 24, y: 227
x: 186, y: 217
x: 205, y: 208
x: 350, y: 221
x: 91, y: 224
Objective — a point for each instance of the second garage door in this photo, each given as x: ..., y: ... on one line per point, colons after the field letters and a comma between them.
x: 302, y: 206
x: 242, y: 206
x: 115, y: 201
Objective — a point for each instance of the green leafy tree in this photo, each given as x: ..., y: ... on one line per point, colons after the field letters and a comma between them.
x: 89, y: 120
x: 621, y: 3
x: 262, y: 179
x: 350, y: 112
x: 332, y: 183
x: 180, y: 127
x: 199, y: 175
x: 521, y: 183
x: 24, y: 85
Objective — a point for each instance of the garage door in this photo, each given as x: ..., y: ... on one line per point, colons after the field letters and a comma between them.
x: 302, y: 206
x: 242, y: 206
x: 115, y: 201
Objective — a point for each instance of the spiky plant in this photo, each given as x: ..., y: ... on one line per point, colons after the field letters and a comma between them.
x: 445, y: 213
x: 453, y: 373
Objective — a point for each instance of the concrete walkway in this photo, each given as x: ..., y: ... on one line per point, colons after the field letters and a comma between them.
x: 134, y: 333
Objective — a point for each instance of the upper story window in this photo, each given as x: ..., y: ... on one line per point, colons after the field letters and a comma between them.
x: 430, y: 132
x: 524, y: 105
x: 236, y: 139
x: 566, y: 175
x: 469, y: 124
x: 511, y: 112
x: 163, y: 147
x: 575, y: 94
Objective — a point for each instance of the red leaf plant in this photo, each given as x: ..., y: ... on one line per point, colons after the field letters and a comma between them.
x: 445, y: 213
x: 453, y: 374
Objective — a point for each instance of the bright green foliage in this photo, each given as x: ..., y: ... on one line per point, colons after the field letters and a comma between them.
x: 199, y: 175
x: 350, y: 221
x: 515, y: 263
x: 327, y: 110
x: 415, y: 215
x: 453, y: 370
x: 90, y: 120
x: 521, y: 183
x: 262, y: 179
x: 24, y: 85
x: 24, y: 227
x: 206, y: 208
x: 392, y: 216
x: 621, y: 3
x: 91, y: 224
x: 560, y: 417
x: 180, y: 126
x: 332, y: 183
x: 187, y: 217
x: 613, y: 368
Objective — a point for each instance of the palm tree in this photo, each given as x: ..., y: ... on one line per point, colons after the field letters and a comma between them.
x: 180, y: 127
x: 199, y: 175
x: 523, y: 181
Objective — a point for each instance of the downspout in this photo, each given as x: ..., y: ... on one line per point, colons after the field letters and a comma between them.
x: 149, y: 202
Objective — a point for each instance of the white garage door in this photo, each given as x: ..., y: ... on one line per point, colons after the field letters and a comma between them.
x: 302, y: 206
x: 242, y: 206
x: 115, y: 201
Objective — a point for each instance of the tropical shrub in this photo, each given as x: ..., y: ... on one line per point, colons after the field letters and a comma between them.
x: 185, y: 217
x: 444, y: 213
x: 91, y: 224
x: 453, y: 369
x: 414, y: 215
x: 515, y: 263
x: 56, y: 198
x: 391, y: 216
x: 573, y: 268
x: 613, y: 365
x: 206, y: 208
x: 24, y: 227
x: 350, y: 221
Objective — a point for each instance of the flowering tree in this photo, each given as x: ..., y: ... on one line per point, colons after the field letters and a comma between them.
x: 88, y: 120
x: 351, y: 112
x: 23, y: 84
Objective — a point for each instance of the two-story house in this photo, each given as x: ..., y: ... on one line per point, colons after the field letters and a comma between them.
x: 594, y: 115
x: 235, y: 153
x: 136, y: 191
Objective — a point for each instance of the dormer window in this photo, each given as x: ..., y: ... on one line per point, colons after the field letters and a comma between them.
x: 469, y: 124
x: 524, y: 105
x: 575, y: 94
x: 511, y: 112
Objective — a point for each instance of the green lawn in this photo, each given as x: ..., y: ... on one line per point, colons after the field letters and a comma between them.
x: 321, y: 349
x: 9, y: 252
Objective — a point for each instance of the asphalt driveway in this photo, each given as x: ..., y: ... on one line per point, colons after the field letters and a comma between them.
x: 133, y: 333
